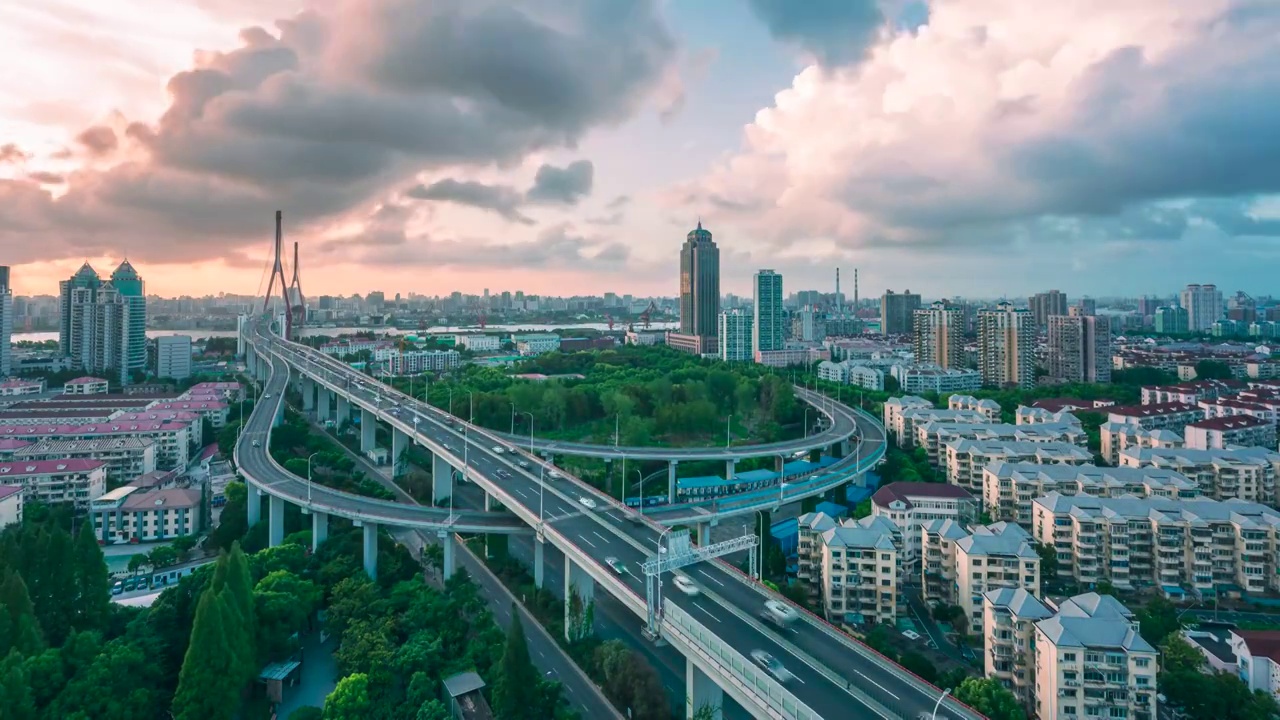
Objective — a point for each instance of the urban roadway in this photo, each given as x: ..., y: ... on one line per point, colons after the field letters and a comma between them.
x: 826, y: 664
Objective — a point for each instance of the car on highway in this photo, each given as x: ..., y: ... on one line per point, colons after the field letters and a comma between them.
x: 616, y: 564
x: 553, y: 475
x: 266, y: 395
x: 524, y: 464
x: 257, y: 443
x: 497, y: 450
x: 771, y: 664
x: 779, y: 613
x: 587, y: 502
x: 685, y: 585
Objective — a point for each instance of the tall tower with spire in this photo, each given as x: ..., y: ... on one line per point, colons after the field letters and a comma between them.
x: 700, y: 287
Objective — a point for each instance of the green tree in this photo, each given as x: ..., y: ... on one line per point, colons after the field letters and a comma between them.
x: 136, y: 563
x: 92, y: 602
x: 50, y: 578
x: 513, y: 697
x: 432, y: 710
x: 213, y: 670
x: 1048, y: 563
x: 989, y: 697
x: 19, y: 627
x: 350, y: 699
x: 15, y: 688
x: 1158, y: 620
x: 920, y: 665
x: 307, y: 712
x: 162, y: 557
x: 1213, y: 370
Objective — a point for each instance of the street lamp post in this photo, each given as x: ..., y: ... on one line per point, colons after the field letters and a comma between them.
x: 938, y: 704
x: 640, y: 482
x: 309, y: 476
x: 806, y: 421
x: 513, y: 418
x: 617, y: 425
x: 728, y: 424
x: 472, y: 395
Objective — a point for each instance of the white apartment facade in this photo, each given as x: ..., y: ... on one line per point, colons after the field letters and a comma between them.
x: 910, y: 505
x: 895, y: 417
x: 1223, y: 432
x: 10, y: 505
x: 66, y: 480
x: 173, y: 357
x: 1000, y: 555
x: 1247, y: 474
x: 1258, y: 659
x: 965, y: 461
x: 860, y: 570
x: 478, y: 343
x: 1006, y: 346
x: 125, y: 457
x: 127, y: 514
x: 85, y: 386
x: 1009, y: 487
x: 734, y: 331
x: 989, y: 409
x: 1009, y: 615
x: 934, y: 436
x: 536, y: 343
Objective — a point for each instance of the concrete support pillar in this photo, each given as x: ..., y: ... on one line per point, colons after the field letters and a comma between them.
x: 846, y: 448
x: 344, y: 411
x: 275, y: 529
x: 729, y: 466
x: 254, y: 501
x: 704, y: 533
x: 441, y: 479
x: 371, y: 549
x: 489, y: 502
x: 579, y: 593
x: 323, y: 407
x: 539, y: 547
x: 308, y: 394
x: 779, y: 465
x: 278, y: 420
x: 368, y: 431
x: 399, y: 441
x: 671, y: 480
x: 446, y: 543
x: 319, y: 529
x: 702, y: 692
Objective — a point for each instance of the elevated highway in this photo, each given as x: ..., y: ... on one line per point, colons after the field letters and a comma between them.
x: 833, y: 675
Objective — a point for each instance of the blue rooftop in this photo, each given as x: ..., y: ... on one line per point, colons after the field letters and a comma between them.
x: 756, y: 475
x: 700, y: 482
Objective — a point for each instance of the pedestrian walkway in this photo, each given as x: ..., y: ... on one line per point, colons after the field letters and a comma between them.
x: 318, y: 676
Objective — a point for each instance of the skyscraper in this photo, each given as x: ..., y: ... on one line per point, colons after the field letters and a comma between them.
x: 699, y: 294
x: 735, y: 334
x: 897, y: 311
x: 1006, y: 346
x: 6, y: 321
x: 104, y: 325
x: 768, y: 316
x: 1203, y: 304
x: 1045, y: 304
x: 1080, y: 348
x: 939, y: 335
x: 1171, y: 320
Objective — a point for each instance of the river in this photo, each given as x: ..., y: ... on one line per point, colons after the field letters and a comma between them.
x: 435, y: 329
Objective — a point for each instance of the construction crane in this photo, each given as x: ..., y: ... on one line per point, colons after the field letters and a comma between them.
x: 484, y: 319
x: 648, y: 314
x: 609, y: 318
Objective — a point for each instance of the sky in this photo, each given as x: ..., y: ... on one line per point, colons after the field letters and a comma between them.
x: 954, y: 147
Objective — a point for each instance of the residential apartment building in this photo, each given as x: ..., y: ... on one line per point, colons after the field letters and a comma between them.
x: 897, y: 311
x: 85, y: 386
x: 1046, y: 304
x: 1171, y: 321
x: 1221, y: 474
x: 15, y: 387
x: 965, y: 461
x: 536, y: 343
x: 104, y: 323
x: 173, y: 357
x: 1133, y: 542
x: 129, y: 514
x: 933, y: 436
x: 735, y: 336
x: 910, y: 505
x: 478, y: 343
x: 852, y: 372
x: 1120, y: 430
x: 809, y: 530
x: 1204, y: 307
x: 1009, y: 487
x: 1038, y: 416
x: 6, y: 323
x: 1258, y: 659
x: 173, y: 440
x: 1079, y: 348
x: 1000, y: 555
x: 913, y: 418
x: 416, y: 362
x: 938, y: 336
x: 61, y: 480
x: 1009, y: 615
x: 1222, y: 432
x: 10, y: 505
x: 931, y: 378
x: 125, y: 457
x: 1189, y: 393
x: 895, y: 419
x: 768, y: 322
x: 990, y: 409
x: 860, y: 570
x: 1090, y: 661
x: 1006, y: 346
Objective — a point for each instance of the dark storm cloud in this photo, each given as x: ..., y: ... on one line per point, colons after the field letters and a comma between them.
x: 98, y: 140
x: 836, y: 31
x: 557, y: 248
x: 565, y: 186
x: 551, y: 186
x: 343, y: 104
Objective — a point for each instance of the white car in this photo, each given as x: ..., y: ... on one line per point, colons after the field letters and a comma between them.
x: 685, y: 585
x: 616, y: 564
x: 497, y: 450
x: 553, y: 475
x: 771, y: 664
x: 587, y: 502
x: 780, y: 613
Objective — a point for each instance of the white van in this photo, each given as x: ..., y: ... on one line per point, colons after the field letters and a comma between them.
x: 779, y: 613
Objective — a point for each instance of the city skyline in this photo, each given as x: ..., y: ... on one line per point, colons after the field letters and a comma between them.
x: 1068, y: 155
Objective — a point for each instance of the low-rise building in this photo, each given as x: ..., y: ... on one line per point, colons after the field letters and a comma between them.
x: 635, y: 337
x: 1009, y: 487
x: 989, y: 409
x: 1188, y: 393
x: 1222, y: 432
x: 17, y: 387
x: 852, y: 372
x: 932, y: 378
x: 1119, y: 437
x: 478, y: 343
x: 934, y: 436
x: 1090, y: 661
x: 965, y: 460
x: 62, y: 480
x: 895, y: 420
x: 914, y: 418
x: 85, y: 386
x: 1125, y: 424
x: 1037, y: 415
x: 416, y: 362
x: 10, y: 505
x: 1134, y: 542
x: 129, y: 514
x: 1223, y: 474
x: 125, y: 458
x: 536, y: 343
x: 1258, y: 659
x: 910, y: 505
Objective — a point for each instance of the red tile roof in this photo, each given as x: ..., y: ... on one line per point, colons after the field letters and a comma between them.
x: 7, y: 490
x: 1261, y: 643
x: 1151, y: 410
x: 13, y: 443
x: 903, y: 491
x: 48, y: 467
x: 1233, y: 422
x: 84, y: 380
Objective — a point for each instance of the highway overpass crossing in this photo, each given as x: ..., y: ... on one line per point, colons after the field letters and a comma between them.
x: 834, y: 676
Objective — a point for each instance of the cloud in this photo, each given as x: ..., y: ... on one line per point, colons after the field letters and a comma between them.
x: 834, y: 31
x: 563, y: 186
x: 339, y: 105
x: 46, y: 178
x: 98, y: 140
x: 11, y: 154
x: 551, y: 186
x: 1004, y: 124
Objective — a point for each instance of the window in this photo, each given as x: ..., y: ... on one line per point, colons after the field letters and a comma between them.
x: 1069, y: 657
x: 1142, y: 662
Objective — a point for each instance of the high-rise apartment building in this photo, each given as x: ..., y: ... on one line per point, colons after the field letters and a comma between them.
x: 1044, y: 304
x: 1086, y: 306
x: 1171, y: 320
x: 769, y: 317
x: 939, y: 335
x: 897, y: 312
x: 1080, y: 348
x: 173, y: 357
x: 104, y: 325
x: 699, y: 294
x: 6, y: 321
x: 1203, y: 304
x: 1006, y: 346
x: 734, y: 338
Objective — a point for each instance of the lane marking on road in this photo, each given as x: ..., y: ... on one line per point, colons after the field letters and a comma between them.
x: 708, y: 612
x: 710, y: 577
x: 585, y: 540
x: 603, y: 539
x: 520, y: 492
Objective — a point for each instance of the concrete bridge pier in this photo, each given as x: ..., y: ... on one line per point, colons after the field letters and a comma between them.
x: 539, y: 548
x: 254, y: 503
x: 729, y: 466
x: 779, y: 465
x: 671, y: 480
x: 371, y: 549
x: 702, y: 691
x: 490, y: 502
x: 275, y: 519
x: 704, y: 533
x: 344, y: 411
x: 308, y: 387
x: 319, y: 529
x: 399, y: 442
x: 323, y: 407
x: 368, y: 431
x: 579, y: 593
x: 441, y: 479
x: 278, y: 420
x: 446, y: 542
